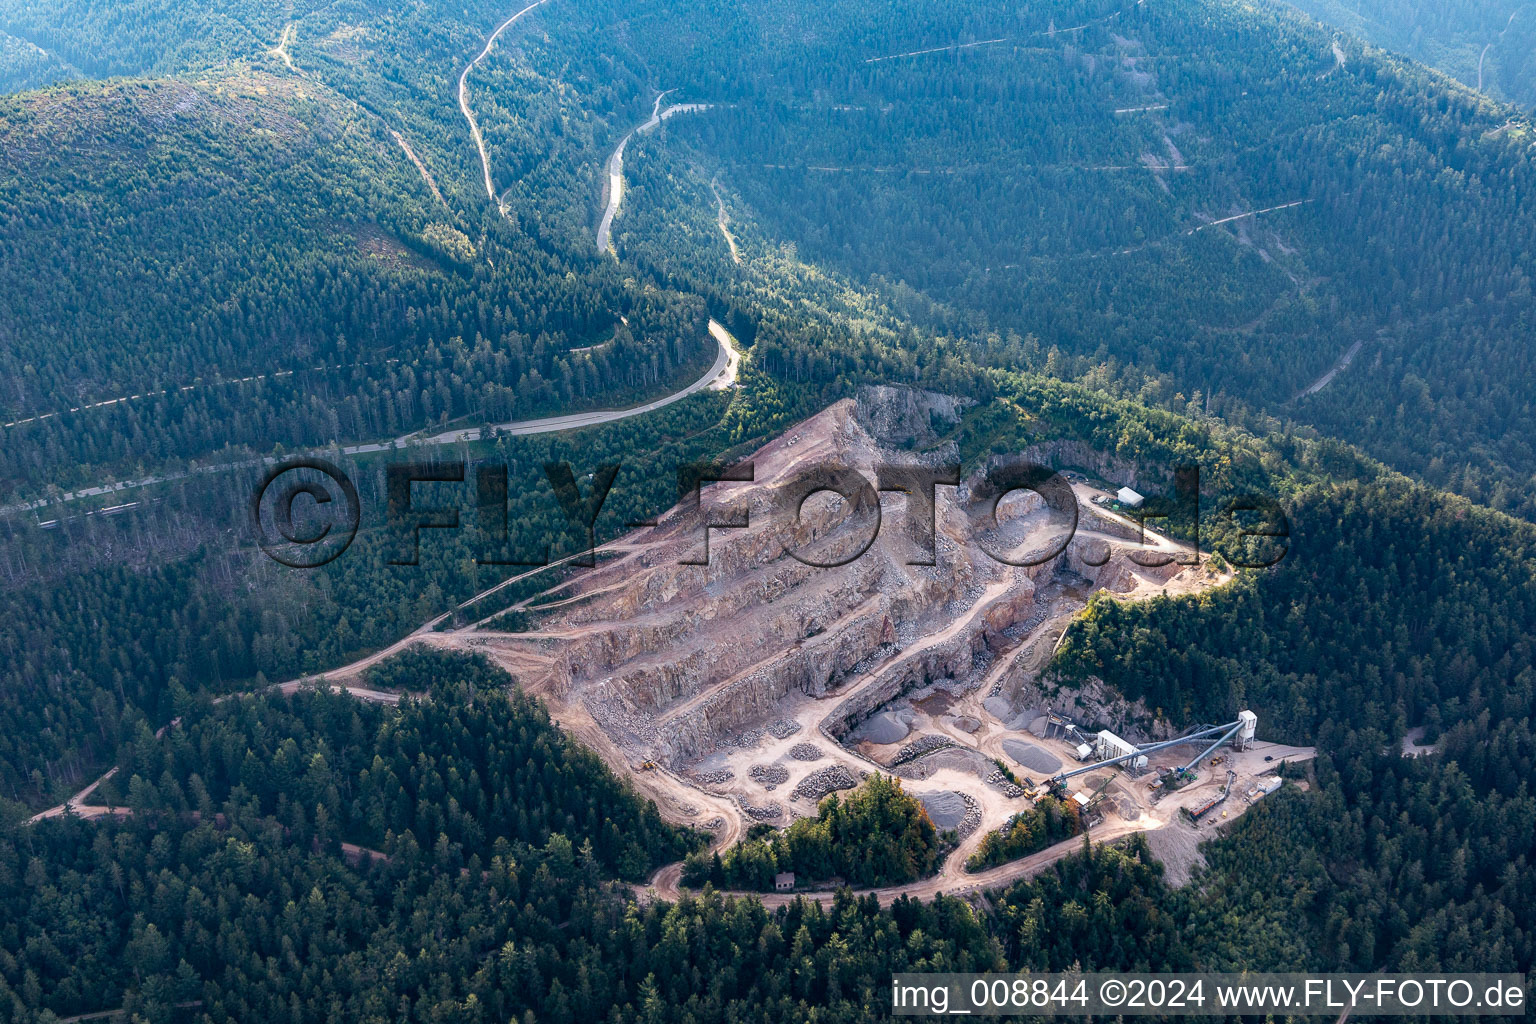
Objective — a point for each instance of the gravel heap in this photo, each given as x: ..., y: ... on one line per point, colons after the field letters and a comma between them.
x: 770, y: 775
x: 714, y: 824
x: 805, y: 752
x: 717, y: 777
x: 945, y: 809
x: 826, y: 780
x: 972, y: 820
x: 749, y: 738
x: 882, y: 728
x: 616, y: 719
x: 769, y: 813
x: 1036, y: 759
x: 783, y: 729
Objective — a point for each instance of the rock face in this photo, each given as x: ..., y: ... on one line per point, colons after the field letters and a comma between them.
x: 816, y: 598
x: 906, y: 417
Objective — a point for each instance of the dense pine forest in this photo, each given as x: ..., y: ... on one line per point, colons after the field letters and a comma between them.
x: 1153, y: 231
x: 203, y: 897
x: 1484, y: 45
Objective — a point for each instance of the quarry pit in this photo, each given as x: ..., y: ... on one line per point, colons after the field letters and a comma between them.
x: 741, y: 678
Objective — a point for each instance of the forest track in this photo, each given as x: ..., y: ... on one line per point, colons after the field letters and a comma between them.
x: 280, y: 51
x: 1338, y: 367
x: 723, y: 220
x: 952, y: 47
x: 952, y: 879
x: 469, y: 115
x: 426, y: 175
x: 77, y: 805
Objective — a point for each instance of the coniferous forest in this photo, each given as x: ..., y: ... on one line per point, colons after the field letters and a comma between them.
x: 1184, y: 232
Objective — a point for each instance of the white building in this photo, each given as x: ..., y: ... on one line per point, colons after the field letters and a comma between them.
x: 1109, y: 745
x: 1129, y: 498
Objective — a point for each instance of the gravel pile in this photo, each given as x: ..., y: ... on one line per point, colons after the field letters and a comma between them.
x: 1036, y: 759
x: 715, y: 824
x: 885, y: 727
x: 770, y: 775
x: 972, y: 819
x: 826, y: 780
x: 750, y: 738
x: 920, y: 746
x: 945, y: 810
x: 783, y: 729
x: 805, y: 752
x: 718, y: 777
x: 965, y: 723
x: 616, y: 719
x: 769, y: 813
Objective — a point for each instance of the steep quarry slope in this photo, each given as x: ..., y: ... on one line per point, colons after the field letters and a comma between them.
x: 748, y: 674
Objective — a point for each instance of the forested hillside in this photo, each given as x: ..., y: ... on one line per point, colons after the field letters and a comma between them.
x: 1141, y: 195
x: 1486, y: 45
x: 1394, y: 609
x: 112, y: 622
x: 1151, y: 230
x: 248, y: 264
x: 1138, y: 194
x: 204, y: 896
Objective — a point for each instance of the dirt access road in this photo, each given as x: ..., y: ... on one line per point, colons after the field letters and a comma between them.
x: 952, y: 879
x: 613, y: 182
x: 469, y: 115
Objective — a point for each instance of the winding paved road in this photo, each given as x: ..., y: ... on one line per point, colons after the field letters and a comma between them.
x: 720, y: 375
x: 613, y: 187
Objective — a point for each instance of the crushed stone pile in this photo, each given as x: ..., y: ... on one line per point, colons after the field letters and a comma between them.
x: 1036, y: 759
x: 972, y: 819
x: 946, y: 809
x: 770, y: 775
x: 920, y: 746
x: 885, y: 727
x: 999, y: 781
x: 825, y: 780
